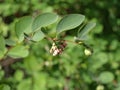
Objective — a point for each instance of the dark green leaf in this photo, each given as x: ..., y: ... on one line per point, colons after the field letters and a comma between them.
x: 18, y: 51
x: 69, y: 22
x: 44, y: 20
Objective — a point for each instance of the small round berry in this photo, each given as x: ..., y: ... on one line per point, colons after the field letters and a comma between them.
x: 100, y: 87
x: 88, y: 52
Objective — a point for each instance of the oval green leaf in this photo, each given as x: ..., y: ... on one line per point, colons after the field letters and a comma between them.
x: 38, y: 35
x: 18, y: 52
x: 23, y: 26
x: 44, y: 20
x: 86, y: 30
x: 106, y: 77
x: 69, y: 22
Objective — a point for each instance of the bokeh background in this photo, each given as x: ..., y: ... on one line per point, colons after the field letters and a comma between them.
x: 72, y: 70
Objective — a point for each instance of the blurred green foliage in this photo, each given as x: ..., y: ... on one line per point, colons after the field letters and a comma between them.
x: 72, y: 70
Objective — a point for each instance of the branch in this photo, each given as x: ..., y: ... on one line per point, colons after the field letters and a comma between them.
x: 8, y: 61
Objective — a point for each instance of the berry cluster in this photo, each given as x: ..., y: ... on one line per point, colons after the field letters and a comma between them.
x: 58, y: 47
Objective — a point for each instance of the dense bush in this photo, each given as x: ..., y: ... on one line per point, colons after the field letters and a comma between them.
x: 72, y: 70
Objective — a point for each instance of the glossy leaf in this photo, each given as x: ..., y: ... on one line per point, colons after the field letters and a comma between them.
x: 2, y: 43
x: 82, y: 34
x: 106, y: 77
x: 69, y: 22
x: 18, y: 52
x: 23, y: 26
x: 39, y: 35
x: 44, y: 20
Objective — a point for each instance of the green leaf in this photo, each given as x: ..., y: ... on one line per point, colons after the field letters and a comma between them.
x: 23, y: 26
x: 44, y: 20
x: 18, y: 52
x: 18, y: 76
x: 40, y: 81
x: 10, y: 42
x: 25, y: 84
x: 86, y: 30
x: 39, y: 35
x: 2, y: 54
x: 2, y: 73
x: 2, y: 43
x: 77, y: 39
x: 31, y: 64
x: 106, y: 77
x: 69, y: 22
x: 4, y: 87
